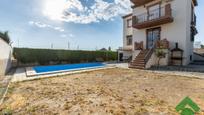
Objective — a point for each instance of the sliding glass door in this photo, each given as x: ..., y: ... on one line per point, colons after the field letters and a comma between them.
x: 152, y: 36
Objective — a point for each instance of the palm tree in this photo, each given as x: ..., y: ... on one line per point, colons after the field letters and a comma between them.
x: 5, y: 37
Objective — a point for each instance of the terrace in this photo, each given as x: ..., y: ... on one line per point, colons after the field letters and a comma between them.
x: 152, y: 18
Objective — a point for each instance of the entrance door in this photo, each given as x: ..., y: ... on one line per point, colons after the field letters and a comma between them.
x: 120, y: 56
x: 152, y: 36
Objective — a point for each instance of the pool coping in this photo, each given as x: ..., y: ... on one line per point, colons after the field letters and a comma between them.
x: 37, y: 77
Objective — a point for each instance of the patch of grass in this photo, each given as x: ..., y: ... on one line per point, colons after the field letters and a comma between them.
x: 6, y: 111
x: 201, y: 96
x: 11, y: 89
x: 141, y: 111
x: 35, y: 108
x: 2, y: 90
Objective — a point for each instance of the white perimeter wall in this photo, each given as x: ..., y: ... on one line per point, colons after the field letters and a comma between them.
x: 5, y: 57
x: 178, y: 31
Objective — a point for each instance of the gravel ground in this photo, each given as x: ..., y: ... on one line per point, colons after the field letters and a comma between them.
x: 112, y: 91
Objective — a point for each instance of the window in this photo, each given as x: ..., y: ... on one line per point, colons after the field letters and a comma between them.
x: 192, y: 34
x: 129, y: 23
x: 191, y: 57
x: 192, y: 14
x: 154, y: 11
x: 129, y: 40
x: 192, y: 37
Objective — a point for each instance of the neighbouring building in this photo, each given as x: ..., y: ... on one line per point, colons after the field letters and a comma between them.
x: 5, y: 57
x: 167, y: 26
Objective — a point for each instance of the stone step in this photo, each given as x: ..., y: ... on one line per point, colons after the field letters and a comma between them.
x: 137, y: 67
x: 139, y: 61
x: 139, y: 58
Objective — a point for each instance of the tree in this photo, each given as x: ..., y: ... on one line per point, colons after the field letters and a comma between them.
x: 160, y: 54
x: 5, y: 37
x: 109, y: 48
x: 202, y: 46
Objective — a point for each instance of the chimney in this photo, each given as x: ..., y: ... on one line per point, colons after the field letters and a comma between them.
x: 176, y: 45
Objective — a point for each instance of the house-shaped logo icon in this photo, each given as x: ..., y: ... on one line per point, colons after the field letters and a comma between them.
x: 187, y: 107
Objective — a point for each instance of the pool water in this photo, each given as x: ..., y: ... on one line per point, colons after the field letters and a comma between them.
x: 55, y: 68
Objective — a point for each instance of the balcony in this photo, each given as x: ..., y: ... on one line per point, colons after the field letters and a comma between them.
x: 140, y: 2
x: 195, y: 2
x: 193, y: 20
x: 156, y: 17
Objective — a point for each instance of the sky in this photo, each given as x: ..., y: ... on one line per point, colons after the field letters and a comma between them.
x: 63, y: 24
x: 200, y: 23
x: 70, y: 24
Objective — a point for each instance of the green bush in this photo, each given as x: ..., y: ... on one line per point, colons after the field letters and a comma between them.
x: 45, y: 56
x: 5, y: 37
x: 6, y: 111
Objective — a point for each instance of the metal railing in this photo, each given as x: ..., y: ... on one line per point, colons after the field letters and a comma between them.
x: 193, y: 20
x: 150, y: 52
x: 151, y: 15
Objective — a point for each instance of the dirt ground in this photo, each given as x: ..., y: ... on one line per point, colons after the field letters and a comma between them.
x: 112, y: 91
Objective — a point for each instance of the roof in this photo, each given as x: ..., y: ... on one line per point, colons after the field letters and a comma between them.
x: 128, y: 15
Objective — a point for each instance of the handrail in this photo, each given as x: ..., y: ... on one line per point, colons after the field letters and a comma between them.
x: 149, y: 53
x: 147, y: 57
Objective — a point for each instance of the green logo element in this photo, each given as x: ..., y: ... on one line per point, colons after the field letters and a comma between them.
x: 187, y: 107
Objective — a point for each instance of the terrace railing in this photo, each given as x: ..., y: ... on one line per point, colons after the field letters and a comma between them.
x: 152, y: 15
x: 155, y: 17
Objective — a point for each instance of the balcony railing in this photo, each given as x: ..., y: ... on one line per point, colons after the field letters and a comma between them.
x: 153, y: 18
x: 152, y: 15
x: 194, y: 20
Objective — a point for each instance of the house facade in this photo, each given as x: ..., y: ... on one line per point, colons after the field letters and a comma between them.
x: 166, y: 26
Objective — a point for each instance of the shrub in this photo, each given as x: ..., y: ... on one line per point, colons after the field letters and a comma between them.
x: 7, y: 111
x: 5, y: 37
x: 160, y: 54
x: 45, y: 56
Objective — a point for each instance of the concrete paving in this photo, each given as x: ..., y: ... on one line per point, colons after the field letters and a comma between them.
x: 20, y: 74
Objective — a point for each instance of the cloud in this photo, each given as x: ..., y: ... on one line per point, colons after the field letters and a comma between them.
x: 59, y: 29
x: 43, y: 25
x: 74, y: 11
x: 71, y: 35
x: 66, y: 36
x: 63, y: 35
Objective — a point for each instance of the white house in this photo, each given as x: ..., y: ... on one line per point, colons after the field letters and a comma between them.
x: 154, y: 23
x: 5, y: 57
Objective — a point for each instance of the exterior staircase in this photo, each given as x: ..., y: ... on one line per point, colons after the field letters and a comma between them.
x: 141, y: 59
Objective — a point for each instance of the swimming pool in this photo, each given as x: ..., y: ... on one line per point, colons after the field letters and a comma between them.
x: 67, y: 67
